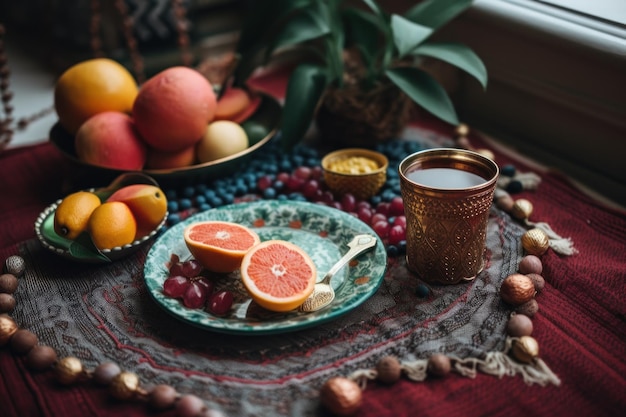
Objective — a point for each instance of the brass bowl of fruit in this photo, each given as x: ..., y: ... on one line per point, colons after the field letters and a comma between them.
x: 174, y: 127
x: 101, y: 225
x: 356, y: 171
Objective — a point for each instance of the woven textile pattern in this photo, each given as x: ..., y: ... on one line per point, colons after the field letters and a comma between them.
x: 112, y: 318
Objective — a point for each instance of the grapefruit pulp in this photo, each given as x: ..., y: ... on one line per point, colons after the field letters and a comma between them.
x: 278, y: 275
x: 219, y: 246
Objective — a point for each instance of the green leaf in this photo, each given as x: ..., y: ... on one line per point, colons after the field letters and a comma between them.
x: 375, y: 8
x: 407, y: 35
x: 83, y: 248
x: 303, y: 27
x: 436, y: 13
x: 425, y: 91
x: 458, y: 55
x: 363, y: 30
x: 304, y: 90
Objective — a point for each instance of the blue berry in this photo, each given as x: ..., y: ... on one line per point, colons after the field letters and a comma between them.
x: 508, y: 170
x: 392, y: 251
x: 185, y: 203
x: 189, y: 191
x: 514, y: 186
x: 422, y: 291
x: 173, y: 218
x: 172, y: 206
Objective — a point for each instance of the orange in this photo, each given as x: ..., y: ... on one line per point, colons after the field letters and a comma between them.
x: 91, y: 87
x: 73, y: 212
x: 278, y: 275
x: 219, y: 246
x: 112, y: 225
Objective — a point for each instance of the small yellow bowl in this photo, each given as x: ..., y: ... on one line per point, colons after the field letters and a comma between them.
x: 356, y: 171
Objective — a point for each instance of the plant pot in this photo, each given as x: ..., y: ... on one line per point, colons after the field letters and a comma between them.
x: 353, y: 116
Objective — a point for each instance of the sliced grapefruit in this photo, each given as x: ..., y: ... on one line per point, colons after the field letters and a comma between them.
x: 278, y: 275
x: 219, y: 246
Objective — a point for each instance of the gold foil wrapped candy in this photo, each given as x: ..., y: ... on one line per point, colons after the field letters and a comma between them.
x: 535, y: 242
x: 7, y: 328
x: 124, y: 386
x: 68, y: 370
x: 525, y: 349
x: 522, y: 209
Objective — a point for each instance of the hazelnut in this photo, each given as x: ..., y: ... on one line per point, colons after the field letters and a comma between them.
x: 342, y: 396
x: 388, y: 369
x: 505, y: 202
x: 529, y: 308
x: 525, y: 349
x: 538, y: 280
x: 535, y: 242
x: 516, y: 289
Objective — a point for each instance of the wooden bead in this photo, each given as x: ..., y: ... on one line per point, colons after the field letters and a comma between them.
x: 530, y: 264
x: 105, y: 372
x: 124, y: 385
x: 342, y: 396
x: 389, y: 370
x: 535, y: 242
x: 8, y: 327
x: 439, y: 365
x: 525, y: 349
x: 7, y: 303
x: 41, y: 358
x: 8, y: 283
x: 68, y: 370
x: 505, y: 202
x: 519, y: 325
x: 162, y: 397
x: 23, y: 341
x: 189, y: 406
x: 486, y: 153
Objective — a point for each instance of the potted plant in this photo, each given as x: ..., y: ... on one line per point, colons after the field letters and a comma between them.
x: 357, y: 52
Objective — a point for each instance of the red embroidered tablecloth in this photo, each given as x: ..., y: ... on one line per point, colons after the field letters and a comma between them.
x: 580, y: 326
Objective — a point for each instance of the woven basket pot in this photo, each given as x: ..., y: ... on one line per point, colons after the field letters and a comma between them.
x: 352, y: 116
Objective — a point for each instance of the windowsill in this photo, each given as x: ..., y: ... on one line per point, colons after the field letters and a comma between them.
x: 556, y: 87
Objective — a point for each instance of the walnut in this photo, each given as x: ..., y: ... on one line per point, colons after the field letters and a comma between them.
x: 517, y: 289
x: 342, y: 396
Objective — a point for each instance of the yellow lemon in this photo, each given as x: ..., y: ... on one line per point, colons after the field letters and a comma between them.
x: 72, y: 214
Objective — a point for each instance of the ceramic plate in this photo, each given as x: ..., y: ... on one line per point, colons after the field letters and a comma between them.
x: 322, y: 232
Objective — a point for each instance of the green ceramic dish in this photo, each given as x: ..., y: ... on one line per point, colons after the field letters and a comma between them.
x: 260, y: 127
x: 321, y: 231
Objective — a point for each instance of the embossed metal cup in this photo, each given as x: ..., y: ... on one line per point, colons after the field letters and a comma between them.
x: 447, y: 195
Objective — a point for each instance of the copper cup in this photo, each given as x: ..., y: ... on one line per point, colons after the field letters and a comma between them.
x: 447, y: 195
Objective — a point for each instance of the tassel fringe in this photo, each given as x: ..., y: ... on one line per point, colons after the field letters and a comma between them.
x: 561, y: 245
x: 497, y: 364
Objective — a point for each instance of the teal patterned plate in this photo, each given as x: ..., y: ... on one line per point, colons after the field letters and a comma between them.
x: 323, y: 232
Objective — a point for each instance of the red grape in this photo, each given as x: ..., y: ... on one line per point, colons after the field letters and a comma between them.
x: 396, y: 235
x: 310, y: 189
x: 175, y: 286
x: 191, y: 268
x: 396, y: 206
x: 400, y: 221
x: 378, y: 217
x: 364, y: 214
x: 381, y: 228
x: 264, y: 182
x: 220, y: 302
x: 302, y: 172
x: 195, y: 296
x: 348, y: 202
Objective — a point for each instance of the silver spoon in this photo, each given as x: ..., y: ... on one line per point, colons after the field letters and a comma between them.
x: 323, y: 293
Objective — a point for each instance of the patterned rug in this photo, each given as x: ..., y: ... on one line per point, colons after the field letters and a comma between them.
x: 104, y: 313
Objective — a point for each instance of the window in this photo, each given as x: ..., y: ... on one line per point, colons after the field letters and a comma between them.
x: 557, y: 84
